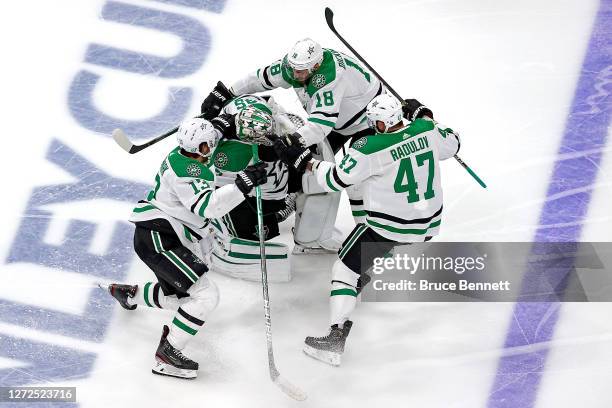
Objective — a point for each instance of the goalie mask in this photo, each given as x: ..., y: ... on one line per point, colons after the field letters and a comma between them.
x: 254, y: 123
x: 386, y: 109
x: 193, y: 132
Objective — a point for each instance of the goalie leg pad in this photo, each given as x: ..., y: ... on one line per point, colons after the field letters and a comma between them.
x: 316, y: 212
x: 315, y: 218
x: 240, y: 258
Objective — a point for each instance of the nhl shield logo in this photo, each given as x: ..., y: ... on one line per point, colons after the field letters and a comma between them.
x: 221, y: 160
x: 194, y: 170
x: 359, y: 143
x: 318, y: 81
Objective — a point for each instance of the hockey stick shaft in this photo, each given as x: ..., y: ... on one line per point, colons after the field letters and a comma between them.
x: 329, y: 17
x: 288, y: 388
x: 264, y: 272
x: 126, y: 144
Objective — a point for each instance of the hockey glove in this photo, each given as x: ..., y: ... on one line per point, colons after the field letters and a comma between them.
x: 414, y: 109
x: 253, y: 175
x: 291, y: 153
x: 226, y: 124
x: 213, y: 103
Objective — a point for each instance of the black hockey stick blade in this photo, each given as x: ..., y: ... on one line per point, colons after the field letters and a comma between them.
x: 329, y: 17
x: 126, y: 144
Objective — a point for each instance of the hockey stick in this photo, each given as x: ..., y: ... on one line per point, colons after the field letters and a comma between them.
x: 288, y: 388
x: 124, y: 142
x: 329, y: 17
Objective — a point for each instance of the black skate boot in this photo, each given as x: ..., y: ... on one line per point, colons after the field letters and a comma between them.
x: 170, y: 361
x: 122, y: 292
x: 289, y: 209
x: 362, y: 282
x: 329, y: 349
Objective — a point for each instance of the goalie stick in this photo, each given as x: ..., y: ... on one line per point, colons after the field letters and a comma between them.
x: 288, y: 388
x: 329, y: 18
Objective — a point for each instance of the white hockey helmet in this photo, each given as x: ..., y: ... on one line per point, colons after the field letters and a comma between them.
x: 304, y: 55
x: 384, y: 108
x: 193, y: 132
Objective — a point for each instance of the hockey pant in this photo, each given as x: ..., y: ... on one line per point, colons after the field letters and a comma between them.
x: 241, y: 222
x: 183, y: 285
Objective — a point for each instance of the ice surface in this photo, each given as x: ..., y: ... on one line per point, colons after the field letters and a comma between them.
x: 503, y: 73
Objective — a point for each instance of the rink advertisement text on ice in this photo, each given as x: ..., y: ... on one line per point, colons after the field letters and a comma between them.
x: 77, y: 250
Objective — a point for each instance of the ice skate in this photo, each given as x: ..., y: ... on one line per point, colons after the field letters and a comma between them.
x: 363, y: 281
x: 299, y: 249
x: 328, y: 349
x: 122, y: 293
x: 171, y: 362
x: 289, y: 209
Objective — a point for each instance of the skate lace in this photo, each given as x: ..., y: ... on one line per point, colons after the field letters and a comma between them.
x: 177, y: 353
x: 289, y: 207
x: 329, y: 336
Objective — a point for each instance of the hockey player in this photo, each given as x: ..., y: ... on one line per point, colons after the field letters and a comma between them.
x: 334, y: 89
x: 233, y: 155
x: 398, y: 171
x: 174, y: 217
x: 236, y: 250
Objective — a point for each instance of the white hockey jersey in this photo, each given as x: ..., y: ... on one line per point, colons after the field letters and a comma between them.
x: 232, y: 156
x: 185, y: 195
x: 399, y: 175
x: 335, y: 96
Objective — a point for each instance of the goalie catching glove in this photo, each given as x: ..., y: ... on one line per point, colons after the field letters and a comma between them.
x: 414, y: 109
x: 253, y: 175
x: 291, y: 152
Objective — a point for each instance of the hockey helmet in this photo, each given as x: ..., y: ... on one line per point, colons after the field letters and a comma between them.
x: 305, y: 55
x: 386, y: 109
x: 253, y: 123
x: 193, y: 132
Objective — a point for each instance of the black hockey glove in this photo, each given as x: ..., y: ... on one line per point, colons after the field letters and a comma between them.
x: 414, y: 109
x: 213, y: 103
x: 291, y: 152
x: 226, y: 124
x: 253, y: 175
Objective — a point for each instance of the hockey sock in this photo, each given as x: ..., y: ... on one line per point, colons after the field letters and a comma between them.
x: 342, y: 302
x: 189, y: 318
x: 343, y: 297
x: 184, y: 327
x: 150, y: 295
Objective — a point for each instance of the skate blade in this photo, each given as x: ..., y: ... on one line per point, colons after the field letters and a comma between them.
x: 302, y: 250
x: 328, y: 357
x: 252, y: 276
x: 162, y: 368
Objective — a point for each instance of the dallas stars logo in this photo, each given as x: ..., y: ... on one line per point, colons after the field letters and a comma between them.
x: 194, y: 170
x: 318, y: 81
x: 375, y: 104
x: 359, y: 143
x: 221, y: 160
x: 310, y: 51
